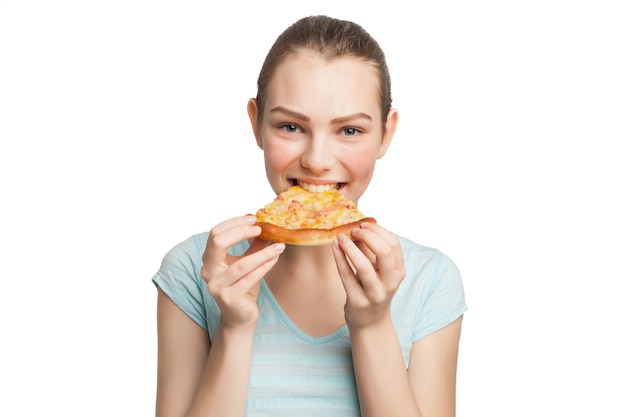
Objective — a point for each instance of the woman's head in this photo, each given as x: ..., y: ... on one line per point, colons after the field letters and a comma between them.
x: 331, y: 38
x: 323, y: 111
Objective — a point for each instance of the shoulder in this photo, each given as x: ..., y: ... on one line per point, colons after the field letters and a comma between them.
x: 433, y: 286
x: 180, y: 268
x: 431, y: 276
x: 421, y: 259
x: 179, y: 276
x: 187, y: 252
x: 415, y: 249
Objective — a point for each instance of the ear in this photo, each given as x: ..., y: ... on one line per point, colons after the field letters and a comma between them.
x: 253, y: 113
x: 390, y: 129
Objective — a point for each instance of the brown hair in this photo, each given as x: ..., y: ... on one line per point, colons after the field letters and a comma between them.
x: 332, y: 38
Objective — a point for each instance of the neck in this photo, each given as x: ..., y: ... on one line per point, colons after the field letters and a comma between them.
x: 305, y: 262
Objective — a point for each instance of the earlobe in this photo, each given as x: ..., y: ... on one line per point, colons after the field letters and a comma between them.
x: 253, y: 113
x: 390, y: 129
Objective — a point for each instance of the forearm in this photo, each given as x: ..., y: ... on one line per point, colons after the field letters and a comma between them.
x: 224, y: 386
x: 381, y: 375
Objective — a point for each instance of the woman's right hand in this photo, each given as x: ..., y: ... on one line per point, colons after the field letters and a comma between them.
x: 234, y: 281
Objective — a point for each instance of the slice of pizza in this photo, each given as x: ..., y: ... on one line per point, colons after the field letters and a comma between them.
x: 301, y: 217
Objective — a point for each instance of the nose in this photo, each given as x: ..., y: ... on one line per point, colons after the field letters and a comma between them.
x: 318, y: 155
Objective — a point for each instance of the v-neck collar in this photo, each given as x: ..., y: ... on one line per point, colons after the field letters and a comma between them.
x: 292, y: 326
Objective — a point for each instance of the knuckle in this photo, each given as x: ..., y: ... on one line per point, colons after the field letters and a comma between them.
x: 213, y: 287
x: 229, y: 297
x: 212, y: 235
x: 379, y: 297
x: 217, y: 240
x: 386, y: 252
x: 213, y: 290
x: 402, y: 272
x: 239, y: 268
x: 205, y: 273
x: 226, y: 297
x: 359, y: 304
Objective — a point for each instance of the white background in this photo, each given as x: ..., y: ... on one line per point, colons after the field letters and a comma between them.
x: 123, y: 130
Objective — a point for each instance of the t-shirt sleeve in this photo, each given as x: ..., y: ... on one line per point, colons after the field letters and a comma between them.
x: 444, y: 301
x: 179, y: 278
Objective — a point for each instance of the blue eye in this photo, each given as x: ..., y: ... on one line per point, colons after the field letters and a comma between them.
x: 350, y: 131
x: 289, y: 128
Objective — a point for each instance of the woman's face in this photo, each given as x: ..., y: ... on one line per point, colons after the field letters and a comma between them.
x: 322, y: 125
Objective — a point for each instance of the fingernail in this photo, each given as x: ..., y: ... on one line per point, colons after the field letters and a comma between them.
x: 250, y: 219
x: 279, y: 247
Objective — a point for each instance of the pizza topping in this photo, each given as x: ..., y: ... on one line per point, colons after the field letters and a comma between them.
x: 298, y: 208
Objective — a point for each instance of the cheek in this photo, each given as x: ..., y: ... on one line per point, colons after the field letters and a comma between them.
x: 360, y: 162
x: 279, y: 154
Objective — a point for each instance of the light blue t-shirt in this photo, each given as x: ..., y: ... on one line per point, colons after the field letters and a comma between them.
x: 293, y: 373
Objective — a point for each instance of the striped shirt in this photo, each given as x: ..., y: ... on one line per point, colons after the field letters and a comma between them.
x: 293, y: 373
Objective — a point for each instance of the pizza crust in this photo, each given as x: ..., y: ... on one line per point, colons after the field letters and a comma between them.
x: 301, y: 217
x: 308, y: 237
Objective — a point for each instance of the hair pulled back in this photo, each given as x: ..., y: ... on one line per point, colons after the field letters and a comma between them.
x: 331, y: 38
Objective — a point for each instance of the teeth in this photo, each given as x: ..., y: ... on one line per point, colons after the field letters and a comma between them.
x: 316, y: 188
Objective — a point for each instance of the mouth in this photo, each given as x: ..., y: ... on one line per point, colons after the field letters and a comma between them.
x: 317, y: 188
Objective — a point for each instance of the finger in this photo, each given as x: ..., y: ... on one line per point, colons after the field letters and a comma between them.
x: 383, y: 233
x: 247, y: 265
x: 366, y: 251
x: 386, y: 248
x: 364, y: 270
x: 227, y: 234
x: 234, y: 222
x: 247, y: 282
x: 379, y: 230
x: 348, y: 278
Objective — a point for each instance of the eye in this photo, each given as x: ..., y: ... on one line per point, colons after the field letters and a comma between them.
x: 289, y: 127
x: 350, y: 131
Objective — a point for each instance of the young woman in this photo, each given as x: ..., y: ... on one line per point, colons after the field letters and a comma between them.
x: 368, y: 327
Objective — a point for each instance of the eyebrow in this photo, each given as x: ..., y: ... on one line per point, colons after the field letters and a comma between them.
x: 359, y: 115
x: 342, y: 119
x: 292, y: 113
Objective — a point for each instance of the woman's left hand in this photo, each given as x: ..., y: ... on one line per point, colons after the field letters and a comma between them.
x: 371, y: 269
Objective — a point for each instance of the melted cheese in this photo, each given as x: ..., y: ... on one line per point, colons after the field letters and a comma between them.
x: 297, y: 208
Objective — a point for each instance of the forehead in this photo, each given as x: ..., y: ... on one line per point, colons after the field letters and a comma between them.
x: 307, y: 80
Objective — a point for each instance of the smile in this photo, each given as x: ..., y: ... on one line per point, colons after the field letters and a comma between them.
x: 318, y: 188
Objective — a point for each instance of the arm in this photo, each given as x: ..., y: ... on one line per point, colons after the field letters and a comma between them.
x: 381, y: 377
x: 372, y: 269
x: 385, y: 387
x: 433, y: 368
x: 183, y: 348
x: 195, y: 377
